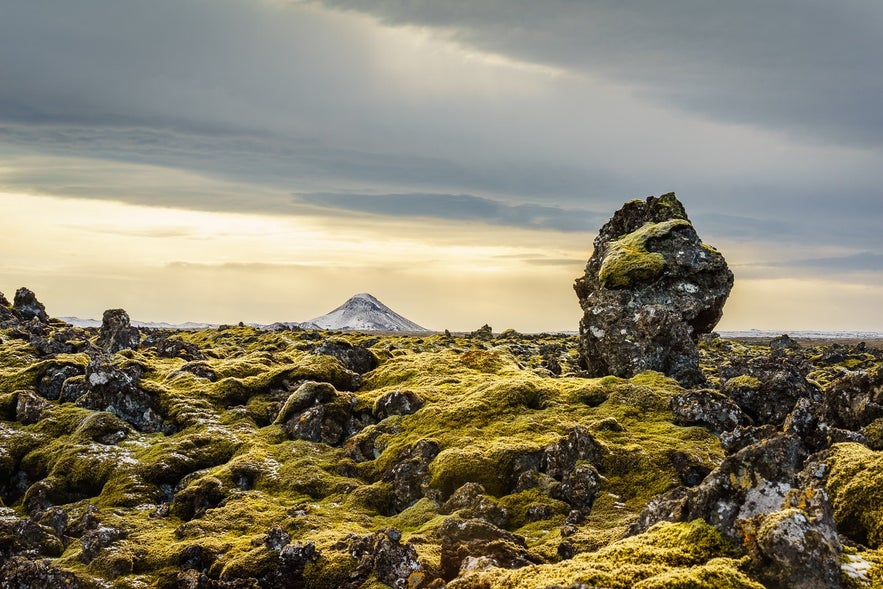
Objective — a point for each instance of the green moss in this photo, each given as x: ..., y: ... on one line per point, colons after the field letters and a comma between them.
x: 743, y: 381
x: 874, y: 433
x: 490, y: 415
x: 855, y: 486
x: 667, y: 555
x: 718, y: 573
x: 18, y: 376
x: 627, y: 259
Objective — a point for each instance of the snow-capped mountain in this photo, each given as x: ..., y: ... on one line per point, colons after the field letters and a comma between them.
x: 363, y: 312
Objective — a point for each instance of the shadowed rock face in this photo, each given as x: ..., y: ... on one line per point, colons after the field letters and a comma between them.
x: 650, y: 289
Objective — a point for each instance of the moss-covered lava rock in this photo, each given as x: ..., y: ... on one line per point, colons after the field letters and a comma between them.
x: 650, y: 288
x: 280, y: 458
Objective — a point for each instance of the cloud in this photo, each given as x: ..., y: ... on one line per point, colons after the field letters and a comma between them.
x: 861, y: 262
x: 458, y: 207
x: 797, y: 65
x: 763, y: 118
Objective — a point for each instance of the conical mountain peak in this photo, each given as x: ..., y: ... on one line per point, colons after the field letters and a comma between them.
x: 364, y: 312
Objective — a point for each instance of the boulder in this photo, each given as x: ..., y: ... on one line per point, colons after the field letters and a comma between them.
x: 26, y: 306
x: 356, y: 358
x: 560, y: 458
x: 384, y: 556
x: 409, y: 477
x: 707, y: 408
x: 318, y: 413
x: 650, y: 289
x: 767, y: 388
x: 22, y: 571
x: 472, y: 544
x: 50, y: 384
x: 117, y: 333
x: 471, y: 501
x: 792, y: 550
x: 116, y: 390
x: 753, y: 481
x: 855, y: 400
x: 396, y: 403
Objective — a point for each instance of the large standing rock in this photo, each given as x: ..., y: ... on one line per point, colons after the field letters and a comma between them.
x: 27, y: 306
x: 117, y: 332
x: 650, y: 289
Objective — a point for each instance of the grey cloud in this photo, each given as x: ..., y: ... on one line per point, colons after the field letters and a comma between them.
x: 279, y: 161
x: 459, y: 207
x: 273, y: 100
x: 858, y: 262
x: 803, y: 66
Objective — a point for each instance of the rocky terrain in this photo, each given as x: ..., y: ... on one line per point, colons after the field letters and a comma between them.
x: 239, y: 457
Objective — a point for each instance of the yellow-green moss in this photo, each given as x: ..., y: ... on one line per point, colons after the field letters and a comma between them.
x: 855, y: 486
x: 627, y: 260
x: 481, y: 407
x: 743, y: 381
x: 664, y: 556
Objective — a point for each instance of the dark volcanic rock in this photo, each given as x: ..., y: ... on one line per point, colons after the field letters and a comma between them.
x: 27, y: 306
x: 116, y: 391
x: 470, y: 501
x: 409, y: 477
x: 767, y: 388
x: 855, y: 399
x: 473, y: 544
x: 117, y: 333
x: 650, y: 289
x: 318, y: 413
x: 396, y: 403
x: 22, y: 572
x: 708, y: 408
x: 356, y: 358
x: 751, y: 482
x: 381, y: 554
x: 51, y: 382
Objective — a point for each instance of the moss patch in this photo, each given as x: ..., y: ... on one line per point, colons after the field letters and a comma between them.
x: 627, y: 259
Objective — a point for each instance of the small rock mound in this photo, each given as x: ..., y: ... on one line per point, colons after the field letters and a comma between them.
x: 650, y: 289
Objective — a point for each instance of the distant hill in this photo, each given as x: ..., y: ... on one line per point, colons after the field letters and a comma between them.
x: 77, y: 322
x: 363, y: 312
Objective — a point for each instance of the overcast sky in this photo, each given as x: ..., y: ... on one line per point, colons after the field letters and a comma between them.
x: 263, y: 160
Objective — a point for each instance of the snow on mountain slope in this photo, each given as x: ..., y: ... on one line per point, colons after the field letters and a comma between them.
x: 363, y: 312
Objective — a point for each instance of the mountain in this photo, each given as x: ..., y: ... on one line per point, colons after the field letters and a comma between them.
x: 363, y: 312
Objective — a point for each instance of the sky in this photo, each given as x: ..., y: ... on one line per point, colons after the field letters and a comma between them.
x: 264, y: 160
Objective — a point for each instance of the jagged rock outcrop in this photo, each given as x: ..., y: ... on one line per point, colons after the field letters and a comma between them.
x: 117, y: 332
x: 650, y: 289
x: 26, y: 306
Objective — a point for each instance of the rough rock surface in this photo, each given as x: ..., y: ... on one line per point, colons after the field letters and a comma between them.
x: 382, y: 554
x: 27, y: 306
x: 117, y: 332
x: 650, y: 289
x: 116, y: 390
x: 318, y: 413
x: 471, y: 544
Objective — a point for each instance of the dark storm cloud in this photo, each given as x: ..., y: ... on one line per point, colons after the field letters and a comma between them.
x: 805, y: 66
x: 458, y: 207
